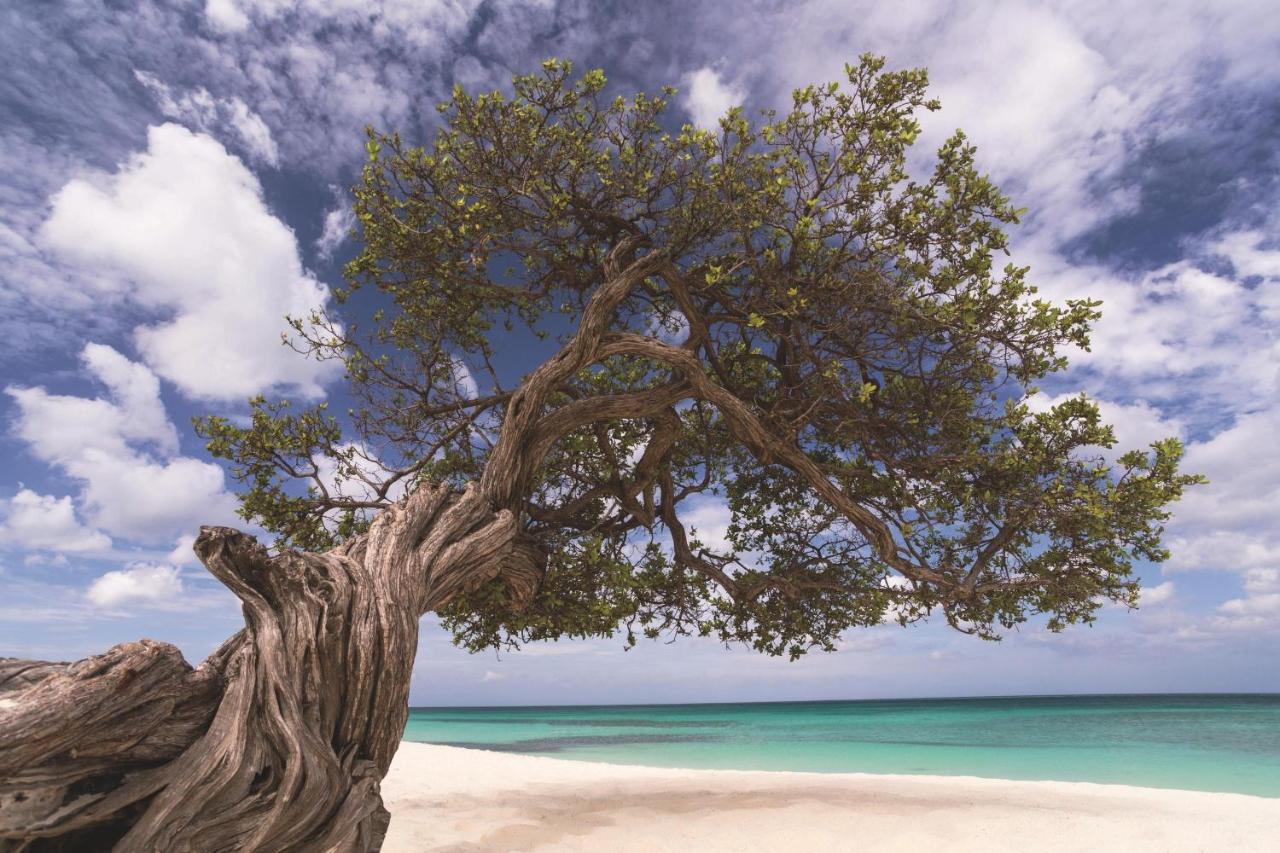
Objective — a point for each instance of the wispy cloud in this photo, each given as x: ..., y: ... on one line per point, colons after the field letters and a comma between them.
x: 337, y: 224
x: 216, y: 116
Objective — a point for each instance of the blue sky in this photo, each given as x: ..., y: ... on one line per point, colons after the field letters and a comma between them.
x: 172, y: 183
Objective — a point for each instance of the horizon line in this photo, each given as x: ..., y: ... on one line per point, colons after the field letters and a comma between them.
x: 836, y: 701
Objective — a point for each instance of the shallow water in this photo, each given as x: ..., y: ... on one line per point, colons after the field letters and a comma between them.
x: 1200, y: 742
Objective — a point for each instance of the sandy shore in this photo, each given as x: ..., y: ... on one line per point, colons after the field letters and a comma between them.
x: 449, y: 799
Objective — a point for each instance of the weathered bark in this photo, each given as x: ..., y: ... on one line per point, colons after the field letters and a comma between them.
x: 279, y: 740
x: 79, y: 743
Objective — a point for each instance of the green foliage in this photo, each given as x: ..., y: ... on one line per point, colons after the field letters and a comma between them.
x: 277, y: 449
x: 859, y: 315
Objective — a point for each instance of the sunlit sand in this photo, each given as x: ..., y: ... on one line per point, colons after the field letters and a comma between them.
x: 452, y: 799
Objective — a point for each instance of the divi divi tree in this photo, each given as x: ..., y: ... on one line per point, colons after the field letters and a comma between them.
x: 772, y: 314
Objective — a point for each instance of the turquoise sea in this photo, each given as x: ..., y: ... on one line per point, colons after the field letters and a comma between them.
x: 1212, y: 742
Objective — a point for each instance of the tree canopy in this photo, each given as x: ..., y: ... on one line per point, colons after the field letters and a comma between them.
x: 773, y: 314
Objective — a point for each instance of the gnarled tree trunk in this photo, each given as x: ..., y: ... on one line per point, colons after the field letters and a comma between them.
x: 280, y: 739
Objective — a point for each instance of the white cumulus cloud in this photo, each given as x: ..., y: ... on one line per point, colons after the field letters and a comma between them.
x: 1159, y: 594
x: 185, y: 222
x: 47, y: 523
x: 1258, y: 610
x: 708, y: 97
x: 123, y: 451
x: 139, y: 584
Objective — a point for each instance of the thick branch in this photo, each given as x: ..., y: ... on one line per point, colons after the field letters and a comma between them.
x: 501, y: 481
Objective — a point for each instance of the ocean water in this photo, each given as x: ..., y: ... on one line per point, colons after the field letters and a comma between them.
x: 1199, y: 742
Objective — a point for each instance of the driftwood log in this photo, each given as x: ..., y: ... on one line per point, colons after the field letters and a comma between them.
x: 280, y: 739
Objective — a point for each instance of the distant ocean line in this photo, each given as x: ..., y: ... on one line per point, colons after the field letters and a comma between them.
x: 1205, y: 742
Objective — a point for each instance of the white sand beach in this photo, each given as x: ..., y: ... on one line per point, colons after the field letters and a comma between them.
x: 451, y: 799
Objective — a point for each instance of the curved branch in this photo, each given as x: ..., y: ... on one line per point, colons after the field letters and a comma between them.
x: 666, y: 431
x: 501, y: 481
x: 680, y: 541
x: 769, y: 448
